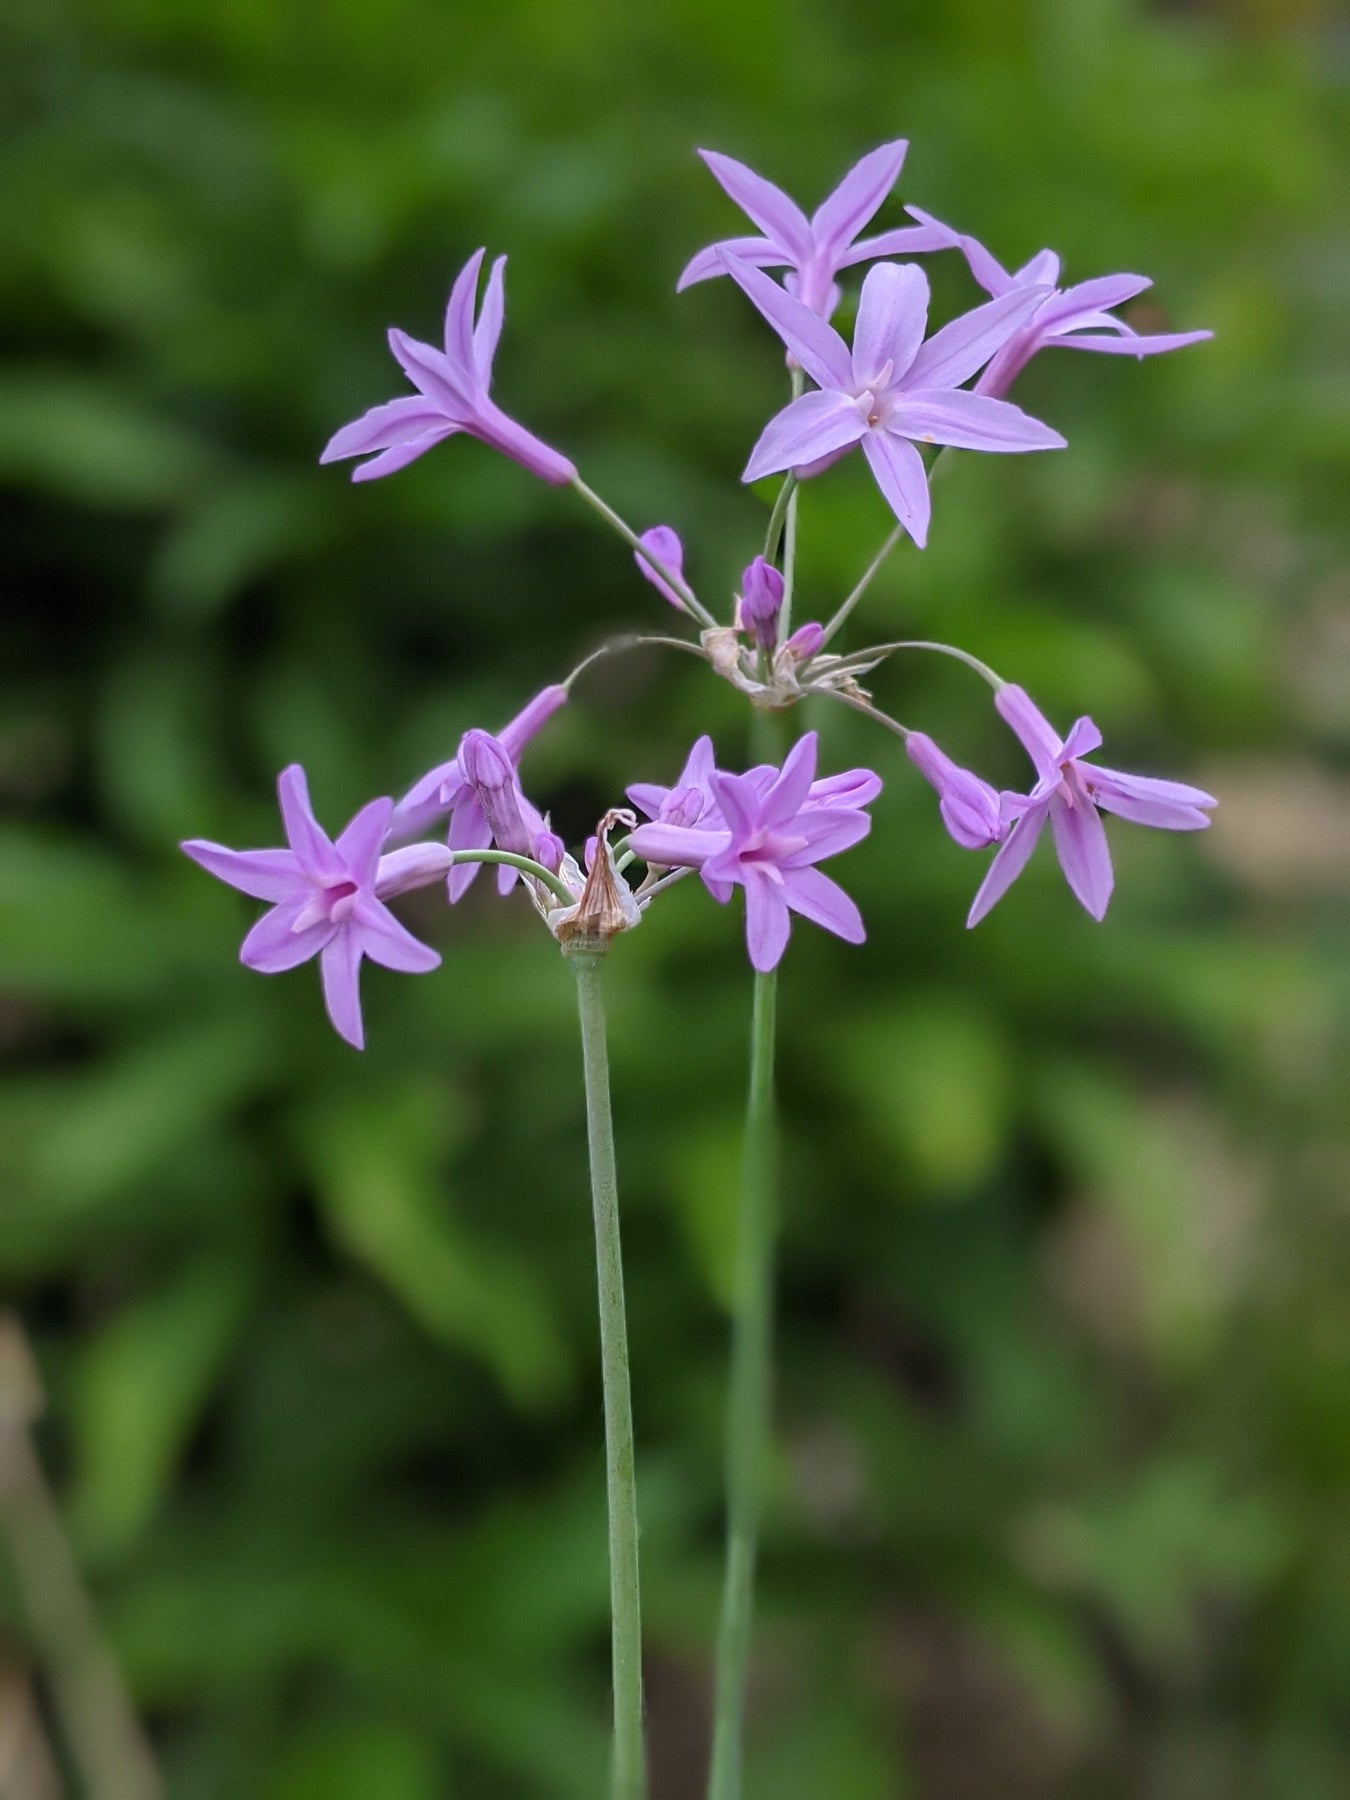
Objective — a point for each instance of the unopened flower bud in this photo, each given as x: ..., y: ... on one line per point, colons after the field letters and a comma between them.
x: 549, y: 850
x: 969, y: 806
x: 682, y: 806
x: 761, y: 602
x: 665, y: 546
x: 489, y: 772
x: 805, y: 641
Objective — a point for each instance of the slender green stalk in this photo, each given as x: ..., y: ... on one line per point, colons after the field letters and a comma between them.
x: 939, y: 462
x: 526, y: 864
x: 749, y: 1401
x: 628, y: 1777
x: 777, y: 516
x: 793, y: 494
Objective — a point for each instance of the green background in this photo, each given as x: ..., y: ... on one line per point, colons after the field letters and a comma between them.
x: 1060, y: 1483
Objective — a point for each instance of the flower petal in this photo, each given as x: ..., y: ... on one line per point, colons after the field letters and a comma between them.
x: 1091, y: 296
x: 390, y: 461
x: 828, y: 830
x: 1080, y: 844
x: 661, y: 543
x: 757, y: 251
x: 1008, y: 863
x: 786, y: 797
x: 905, y: 240
x: 739, y: 803
x: 852, y: 787
x: 986, y: 269
x: 1036, y: 734
x: 385, y: 941
x: 841, y: 215
x: 469, y: 830
x: 422, y: 805
x: 262, y: 874
x: 969, y: 422
x: 340, y: 965
x: 766, y: 205
x: 824, y: 902
x: 813, y: 425
x: 1042, y: 270
x: 1082, y: 739
x: 892, y: 318
x: 903, y: 480
x: 433, y: 376
x: 1132, y: 346
x: 399, y: 421
x: 274, y: 945
x: 487, y: 332
x: 459, y: 325
x: 1168, y: 805
x: 817, y: 346
x: 361, y: 842
x: 531, y: 719
x: 313, y: 847
x: 953, y: 354
x: 767, y: 925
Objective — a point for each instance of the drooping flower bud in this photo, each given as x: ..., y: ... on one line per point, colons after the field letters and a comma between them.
x: 761, y: 602
x: 683, y: 806
x: 805, y: 641
x: 969, y: 807
x: 549, y: 850
x: 490, y: 773
x: 665, y: 546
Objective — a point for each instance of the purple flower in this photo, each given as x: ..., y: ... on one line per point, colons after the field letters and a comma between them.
x: 892, y: 387
x: 693, y: 800
x: 761, y: 603
x: 770, y: 837
x: 969, y: 807
x: 664, y: 544
x: 1075, y: 318
x: 445, y: 788
x: 326, y: 899
x: 813, y: 249
x: 452, y: 393
x: 1069, y: 793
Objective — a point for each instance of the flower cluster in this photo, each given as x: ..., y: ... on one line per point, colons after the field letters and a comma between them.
x: 897, y: 391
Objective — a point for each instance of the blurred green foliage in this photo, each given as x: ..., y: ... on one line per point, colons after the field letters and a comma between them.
x: 1064, y: 1406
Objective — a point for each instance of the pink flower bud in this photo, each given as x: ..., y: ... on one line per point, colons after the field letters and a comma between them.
x: 761, y: 602
x: 549, y: 850
x: 806, y: 641
x: 489, y: 772
x: 667, y: 549
x: 969, y: 807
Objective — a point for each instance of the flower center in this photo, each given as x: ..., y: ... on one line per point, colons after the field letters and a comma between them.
x: 331, y: 905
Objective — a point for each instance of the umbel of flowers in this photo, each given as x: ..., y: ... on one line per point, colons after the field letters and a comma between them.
x: 901, y: 393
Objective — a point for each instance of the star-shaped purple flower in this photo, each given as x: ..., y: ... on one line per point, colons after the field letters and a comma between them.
x: 1074, y: 318
x: 452, y: 393
x: 893, y: 387
x: 767, y: 838
x: 1069, y: 793
x: 813, y: 249
x: 326, y: 899
x: 445, y: 789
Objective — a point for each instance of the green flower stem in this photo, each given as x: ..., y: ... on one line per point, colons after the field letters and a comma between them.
x: 749, y: 1402
x: 939, y: 462
x: 777, y: 516
x: 526, y: 864
x: 790, y: 533
x: 628, y: 1779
